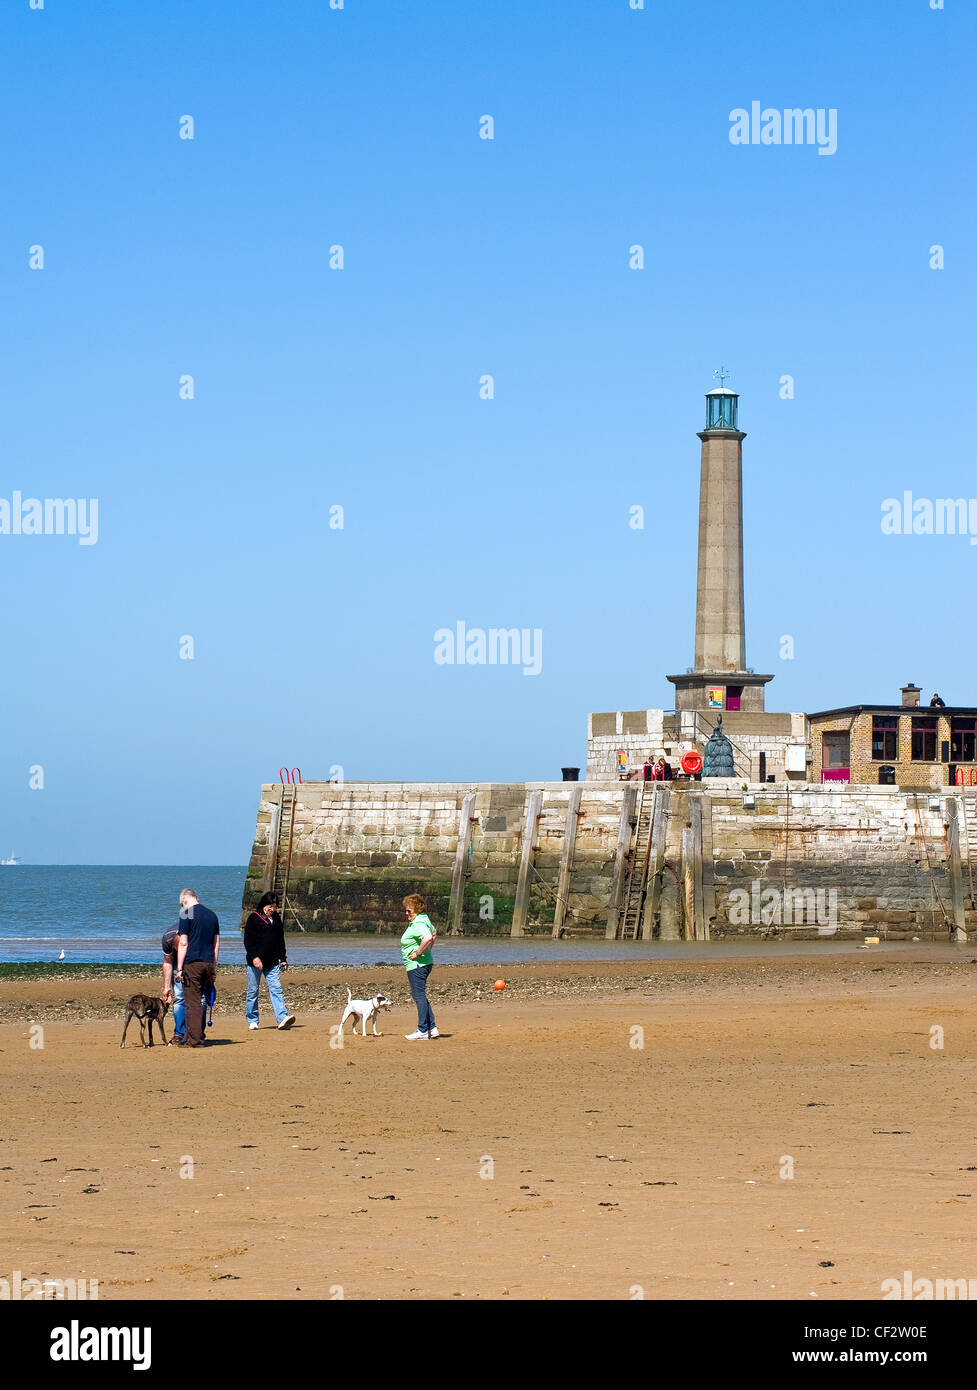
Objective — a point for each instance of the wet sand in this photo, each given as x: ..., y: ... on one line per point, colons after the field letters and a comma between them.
x: 319, y: 1171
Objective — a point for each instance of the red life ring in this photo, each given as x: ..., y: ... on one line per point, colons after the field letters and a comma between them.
x: 691, y: 763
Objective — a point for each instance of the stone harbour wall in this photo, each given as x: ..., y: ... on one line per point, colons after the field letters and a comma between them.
x: 359, y: 848
x: 771, y: 859
x: 860, y: 860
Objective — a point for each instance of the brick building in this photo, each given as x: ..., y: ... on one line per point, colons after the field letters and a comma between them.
x: 905, y: 745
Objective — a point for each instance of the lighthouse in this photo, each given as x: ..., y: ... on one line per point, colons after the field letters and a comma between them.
x: 719, y: 678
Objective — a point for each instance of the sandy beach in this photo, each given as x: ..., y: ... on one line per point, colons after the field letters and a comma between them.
x: 536, y: 1151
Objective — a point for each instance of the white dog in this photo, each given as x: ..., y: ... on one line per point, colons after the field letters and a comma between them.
x: 365, y: 1010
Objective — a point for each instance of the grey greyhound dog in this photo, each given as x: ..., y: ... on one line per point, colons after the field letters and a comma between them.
x: 147, y: 1010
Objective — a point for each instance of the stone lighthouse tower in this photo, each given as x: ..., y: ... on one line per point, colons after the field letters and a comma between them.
x: 719, y: 678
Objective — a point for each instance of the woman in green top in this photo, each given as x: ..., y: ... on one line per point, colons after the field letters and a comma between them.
x: 415, y: 947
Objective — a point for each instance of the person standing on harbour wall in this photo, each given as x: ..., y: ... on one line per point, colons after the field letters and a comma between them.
x: 196, y: 961
x: 415, y: 947
x: 264, y: 954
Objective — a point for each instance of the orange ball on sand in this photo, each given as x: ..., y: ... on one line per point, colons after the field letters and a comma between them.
x: 499, y: 984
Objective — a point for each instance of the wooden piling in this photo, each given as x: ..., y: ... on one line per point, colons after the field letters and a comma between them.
x: 520, y: 911
x: 956, y: 870
x: 466, y: 827
x: 566, y: 858
x: 698, y: 901
x: 625, y: 832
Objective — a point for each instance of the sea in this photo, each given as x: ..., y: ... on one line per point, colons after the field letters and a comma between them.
x: 117, y: 913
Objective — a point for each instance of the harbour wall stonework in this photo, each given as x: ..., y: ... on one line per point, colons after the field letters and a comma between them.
x: 734, y: 859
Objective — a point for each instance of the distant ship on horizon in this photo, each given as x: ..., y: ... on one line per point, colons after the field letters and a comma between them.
x: 12, y: 860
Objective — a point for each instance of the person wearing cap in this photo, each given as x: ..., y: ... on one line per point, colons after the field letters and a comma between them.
x: 173, y: 989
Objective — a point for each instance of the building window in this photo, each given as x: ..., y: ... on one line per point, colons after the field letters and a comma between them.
x: 887, y: 777
x: 835, y: 751
x: 885, y: 738
x: 924, y: 739
x: 963, y: 740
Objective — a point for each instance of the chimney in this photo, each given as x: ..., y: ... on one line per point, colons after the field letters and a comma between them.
x: 910, y: 696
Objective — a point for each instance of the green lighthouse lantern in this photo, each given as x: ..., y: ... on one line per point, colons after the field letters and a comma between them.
x: 722, y: 405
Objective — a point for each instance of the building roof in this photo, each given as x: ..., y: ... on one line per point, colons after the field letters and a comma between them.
x: 968, y: 710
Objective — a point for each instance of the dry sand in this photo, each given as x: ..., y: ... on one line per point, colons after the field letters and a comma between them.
x: 318, y: 1170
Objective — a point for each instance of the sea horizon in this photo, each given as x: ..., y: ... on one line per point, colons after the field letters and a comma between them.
x: 116, y: 914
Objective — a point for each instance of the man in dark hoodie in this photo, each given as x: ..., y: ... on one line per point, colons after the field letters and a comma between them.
x: 264, y: 953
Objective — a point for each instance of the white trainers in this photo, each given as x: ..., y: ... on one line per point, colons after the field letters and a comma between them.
x: 252, y: 1025
x: 413, y: 1037
x: 287, y: 1021
x: 434, y: 1033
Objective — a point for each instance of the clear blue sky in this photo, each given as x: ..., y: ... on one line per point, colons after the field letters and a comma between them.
x: 359, y: 387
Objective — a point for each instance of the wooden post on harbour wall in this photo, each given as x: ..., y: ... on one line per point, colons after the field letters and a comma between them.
x: 466, y: 826
x: 699, y: 916
x: 566, y: 858
x: 708, y: 866
x: 625, y: 831
x: 520, y: 911
x: 656, y: 860
x: 956, y: 870
x: 696, y: 927
x: 688, y: 885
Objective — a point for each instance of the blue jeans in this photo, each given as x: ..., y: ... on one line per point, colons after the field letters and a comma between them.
x: 179, y: 1009
x: 274, y: 983
x: 417, y: 979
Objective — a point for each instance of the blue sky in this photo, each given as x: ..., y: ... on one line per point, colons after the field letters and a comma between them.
x: 360, y: 388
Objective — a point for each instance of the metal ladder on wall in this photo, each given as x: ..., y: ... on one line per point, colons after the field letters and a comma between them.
x: 638, y: 879
x: 283, y: 847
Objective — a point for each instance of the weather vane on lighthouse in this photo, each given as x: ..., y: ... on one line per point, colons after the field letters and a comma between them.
x: 722, y: 373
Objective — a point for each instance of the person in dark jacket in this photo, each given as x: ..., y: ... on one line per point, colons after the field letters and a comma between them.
x: 264, y: 954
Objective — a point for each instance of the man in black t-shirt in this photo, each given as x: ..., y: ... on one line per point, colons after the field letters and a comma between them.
x: 173, y: 988
x: 196, y: 962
